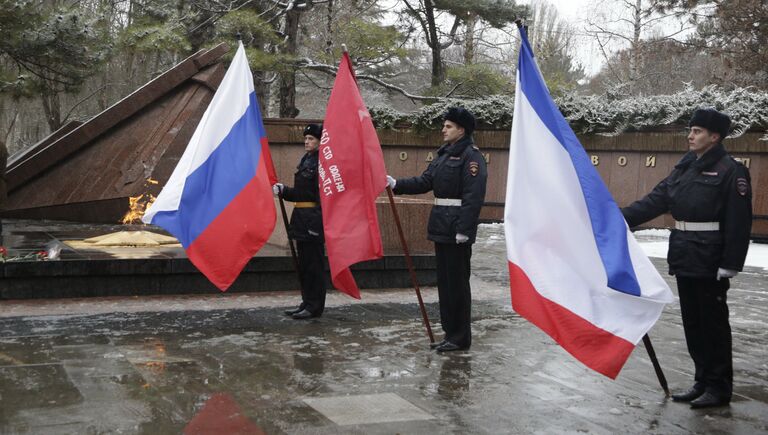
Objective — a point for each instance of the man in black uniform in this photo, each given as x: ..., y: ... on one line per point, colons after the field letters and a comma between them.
x: 306, y: 227
x: 457, y: 176
x: 710, y: 196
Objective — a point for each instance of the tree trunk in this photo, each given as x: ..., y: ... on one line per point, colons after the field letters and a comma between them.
x: 51, y: 108
x: 469, y: 43
x: 329, y: 28
x: 202, y: 35
x: 11, y: 124
x: 103, y: 95
x: 438, y: 72
x: 288, y: 78
x: 634, y: 58
x: 262, y: 92
x: 438, y: 69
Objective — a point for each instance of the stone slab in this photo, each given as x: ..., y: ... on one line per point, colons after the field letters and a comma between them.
x: 367, y: 409
x: 83, y: 271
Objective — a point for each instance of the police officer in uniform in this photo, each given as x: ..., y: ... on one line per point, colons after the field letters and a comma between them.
x: 710, y: 196
x: 306, y: 227
x: 457, y: 176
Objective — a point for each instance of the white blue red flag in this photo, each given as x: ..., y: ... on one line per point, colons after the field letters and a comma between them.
x: 218, y: 201
x: 576, y: 271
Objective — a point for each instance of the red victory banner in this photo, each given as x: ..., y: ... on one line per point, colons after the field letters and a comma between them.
x: 351, y: 176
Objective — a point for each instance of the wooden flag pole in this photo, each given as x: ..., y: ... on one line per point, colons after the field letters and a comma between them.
x: 409, y: 263
x: 656, y: 365
x: 287, y: 233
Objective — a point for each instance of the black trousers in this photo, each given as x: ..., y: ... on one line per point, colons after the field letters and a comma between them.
x: 453, y: 268
x: 312, y: 276
x: 707, y: 332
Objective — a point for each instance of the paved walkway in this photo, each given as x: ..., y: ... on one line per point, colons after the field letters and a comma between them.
x: 235, y: 364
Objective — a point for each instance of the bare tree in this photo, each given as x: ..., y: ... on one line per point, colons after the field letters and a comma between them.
x: 426, y: 15
x: 734, y: 31
x: 629, y: 25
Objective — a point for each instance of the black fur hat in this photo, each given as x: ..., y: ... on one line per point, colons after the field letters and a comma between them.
x: 462, y: 117
x: 315, y: 130
x: 712, y: 120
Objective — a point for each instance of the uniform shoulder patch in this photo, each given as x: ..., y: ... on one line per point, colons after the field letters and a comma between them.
x: 742, y: 186
x: 474, y: 168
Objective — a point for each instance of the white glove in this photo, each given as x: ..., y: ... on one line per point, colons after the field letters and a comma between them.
x: 391, y: 182
x: 461, y: 238
x: 725, y: 273
x: 277, y: 188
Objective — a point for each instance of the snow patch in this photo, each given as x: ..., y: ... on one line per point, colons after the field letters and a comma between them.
x: 655, y: 243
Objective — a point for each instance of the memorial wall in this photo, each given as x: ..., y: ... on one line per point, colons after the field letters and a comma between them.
x: 631, y: 164
x: 86, y: 172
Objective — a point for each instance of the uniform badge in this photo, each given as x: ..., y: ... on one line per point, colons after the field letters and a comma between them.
x: 742, y: 186
x: 474, y: 168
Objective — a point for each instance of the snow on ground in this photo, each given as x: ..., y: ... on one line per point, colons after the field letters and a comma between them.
x: 655, y: 243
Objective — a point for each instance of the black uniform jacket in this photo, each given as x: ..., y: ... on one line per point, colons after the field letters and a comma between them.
x: 714, y: 188
x: 306, y: 223
x: 458, y: 172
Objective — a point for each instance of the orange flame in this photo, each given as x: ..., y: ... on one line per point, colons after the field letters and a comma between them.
x: 156, y: 366
x: 159, y: 348
x: 138, y: 205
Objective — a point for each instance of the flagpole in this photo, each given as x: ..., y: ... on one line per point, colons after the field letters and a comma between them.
x: 409, y: 263
x: 282, y: 210
x: 288, y: 234
x: 646, y: 338
x: 656, y: 365
x: 408, y: 260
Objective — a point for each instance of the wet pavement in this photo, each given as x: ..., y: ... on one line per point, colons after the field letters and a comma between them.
x: 235, y: 364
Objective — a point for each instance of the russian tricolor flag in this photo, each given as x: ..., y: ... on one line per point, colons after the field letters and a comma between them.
x: 576, y: 271
x: 218, y: 201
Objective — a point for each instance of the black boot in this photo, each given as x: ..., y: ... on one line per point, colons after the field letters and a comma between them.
x: 693, y: 393
x: 450, y: 347
x: 709, y: 400
x: 438, y: 344
x: 293, y: 311
x: 303, y: 314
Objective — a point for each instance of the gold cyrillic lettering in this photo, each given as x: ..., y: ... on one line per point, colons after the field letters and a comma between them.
x: 744, y: 160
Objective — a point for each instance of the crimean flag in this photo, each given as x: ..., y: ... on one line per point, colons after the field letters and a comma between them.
x: 351, y: 176
x: 218, y: 201
x: 576, y: 271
